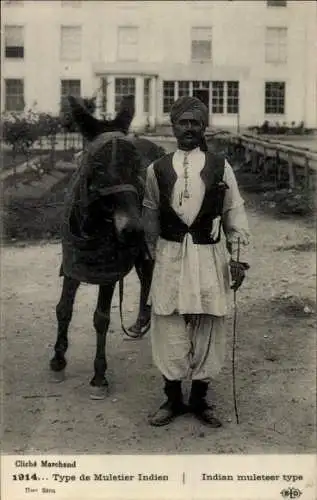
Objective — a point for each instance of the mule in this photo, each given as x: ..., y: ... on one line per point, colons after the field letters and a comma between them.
x: 102, y: 233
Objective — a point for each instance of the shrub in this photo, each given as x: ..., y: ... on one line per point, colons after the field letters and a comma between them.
x: 19, y: 131
x: 48, y: 125
x: 268, y: 128
x: 292, y: 201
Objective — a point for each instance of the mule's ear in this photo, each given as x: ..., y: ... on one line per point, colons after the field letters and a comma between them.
x: 125, y: 114
x: 88, y: 125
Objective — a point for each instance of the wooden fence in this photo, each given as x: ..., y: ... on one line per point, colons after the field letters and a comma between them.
x: 292, y: 163
x: 260, y: 152
x: 64, y: 141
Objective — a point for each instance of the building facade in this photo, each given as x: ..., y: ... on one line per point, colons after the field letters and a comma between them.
x: 248, y: 60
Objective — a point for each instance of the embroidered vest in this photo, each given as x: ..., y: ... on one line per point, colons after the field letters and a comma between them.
x: 172, y: 228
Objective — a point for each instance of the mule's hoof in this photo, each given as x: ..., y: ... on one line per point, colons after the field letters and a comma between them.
x: 138, y: 330
x: 58, y: 377
x: 98, y: 393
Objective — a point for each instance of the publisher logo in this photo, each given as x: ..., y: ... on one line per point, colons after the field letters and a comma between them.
x: 291, y: 493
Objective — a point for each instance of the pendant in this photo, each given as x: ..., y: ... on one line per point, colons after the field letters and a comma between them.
x: 186, y: 194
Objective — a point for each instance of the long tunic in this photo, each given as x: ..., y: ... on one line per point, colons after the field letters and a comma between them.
x: 189, y: 278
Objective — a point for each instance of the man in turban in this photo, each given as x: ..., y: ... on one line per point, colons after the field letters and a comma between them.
x: 193, y: 108
x: 193, y: 218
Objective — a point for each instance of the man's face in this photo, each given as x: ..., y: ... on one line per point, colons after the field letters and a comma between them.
x: 188, y: 130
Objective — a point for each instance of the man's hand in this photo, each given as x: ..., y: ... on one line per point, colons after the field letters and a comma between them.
x: 237, y: 270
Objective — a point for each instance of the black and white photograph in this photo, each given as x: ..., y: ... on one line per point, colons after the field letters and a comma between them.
x: 158, y: 249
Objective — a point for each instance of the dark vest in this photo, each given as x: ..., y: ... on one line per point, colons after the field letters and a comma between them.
x: 172, y: 228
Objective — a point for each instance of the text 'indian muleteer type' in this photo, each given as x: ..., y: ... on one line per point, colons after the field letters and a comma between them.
x: 251, y: 477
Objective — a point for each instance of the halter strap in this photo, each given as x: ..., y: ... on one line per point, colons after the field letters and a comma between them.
x: 117, y: 189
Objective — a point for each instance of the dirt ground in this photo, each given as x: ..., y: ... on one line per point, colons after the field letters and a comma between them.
x: 276, y: 360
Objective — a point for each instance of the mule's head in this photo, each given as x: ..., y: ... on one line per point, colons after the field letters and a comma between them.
x: 113, y: 166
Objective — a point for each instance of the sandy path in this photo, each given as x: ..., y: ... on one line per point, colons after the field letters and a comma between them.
x: 276, y: 361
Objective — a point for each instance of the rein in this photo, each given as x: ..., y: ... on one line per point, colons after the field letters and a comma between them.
x: 121, y: 289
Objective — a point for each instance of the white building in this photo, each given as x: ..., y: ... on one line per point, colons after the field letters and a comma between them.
x: 249, y: 60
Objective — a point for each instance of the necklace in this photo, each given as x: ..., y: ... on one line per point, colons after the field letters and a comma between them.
x: 185, y: 165
x: 185, y: 192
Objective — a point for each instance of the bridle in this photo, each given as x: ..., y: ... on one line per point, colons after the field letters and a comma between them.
x: 118, y: 188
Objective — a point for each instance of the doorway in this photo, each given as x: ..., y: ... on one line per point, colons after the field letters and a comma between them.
x: 203, y: 95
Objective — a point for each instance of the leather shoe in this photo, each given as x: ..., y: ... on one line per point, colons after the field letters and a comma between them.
x: 167, y: 413
x: 206, y: 415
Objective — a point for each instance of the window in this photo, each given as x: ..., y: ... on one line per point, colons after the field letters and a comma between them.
x: 275, y: 98
x: 69, y: 87
x: 128, y: 43
x: 146, y: 101
x: 232, y: 97
x: 276, y: 45
x: 183, y: 88
x: 201, y: 44
x: 71, y: 43
x: 14, y: 42
x: 276, y: 3
x: 14, y: 95
x: 224, y: 95
x: 123, y: 87
x: 168, y: 95
x: 217, y: 97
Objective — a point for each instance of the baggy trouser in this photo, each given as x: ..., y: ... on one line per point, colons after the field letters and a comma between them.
x: 195, y: 350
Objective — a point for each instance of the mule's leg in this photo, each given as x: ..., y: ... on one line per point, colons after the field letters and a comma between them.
x: 64, y: 311
x: 144, y: 270
x: 101, y: 323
